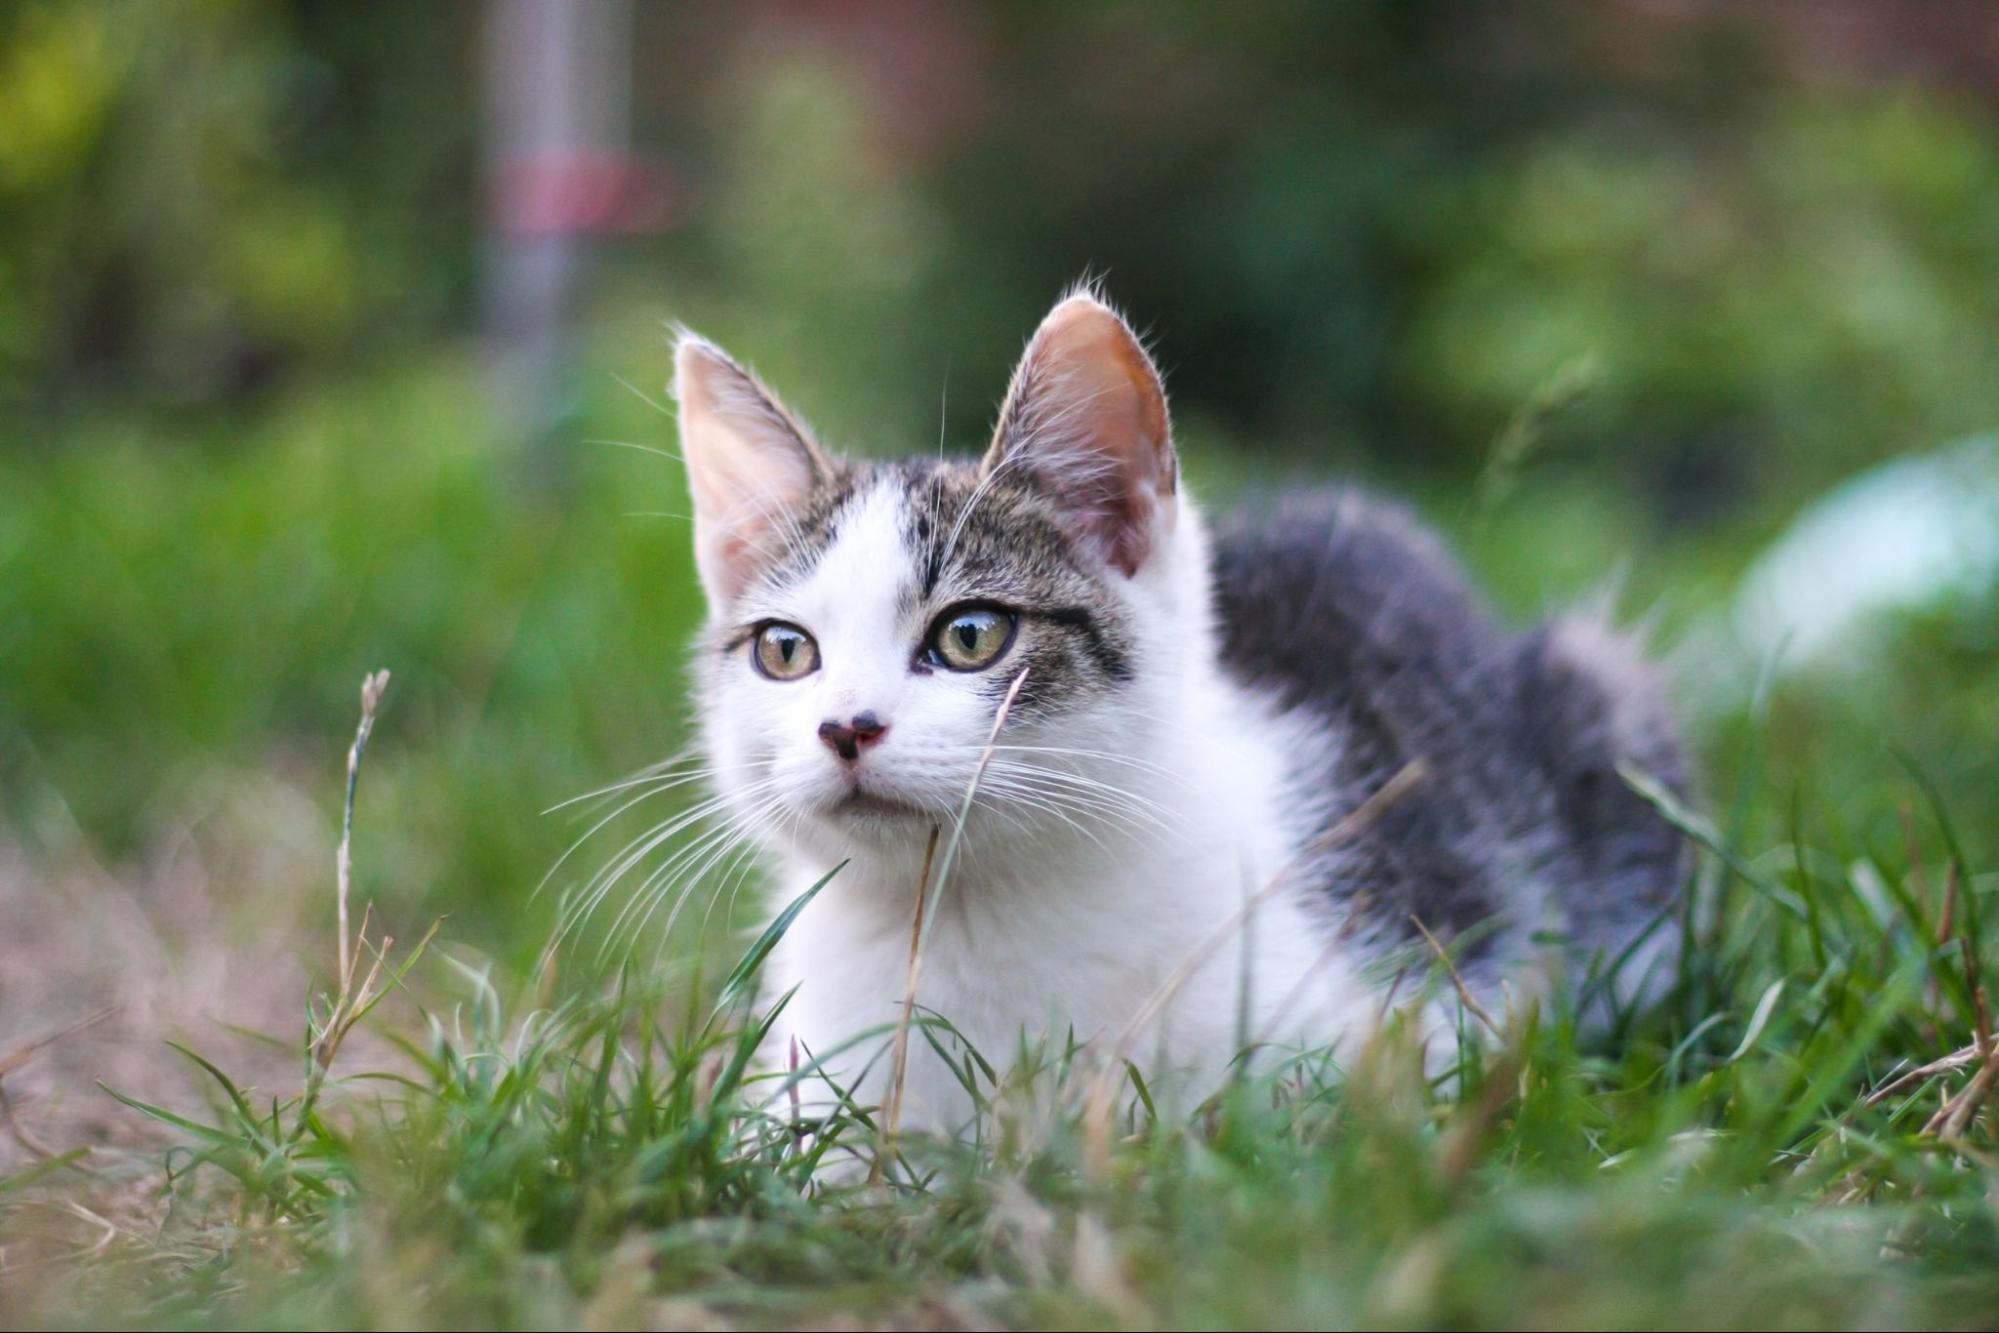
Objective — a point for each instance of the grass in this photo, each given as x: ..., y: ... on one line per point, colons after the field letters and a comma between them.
x: 1802, y: 1135
x: 1758, y: 1154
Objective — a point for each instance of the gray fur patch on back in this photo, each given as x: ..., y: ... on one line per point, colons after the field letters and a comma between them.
x: 1346, y: 611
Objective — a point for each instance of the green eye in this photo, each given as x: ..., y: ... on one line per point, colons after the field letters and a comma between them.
x: 971, y: 638
x: 784, y: 652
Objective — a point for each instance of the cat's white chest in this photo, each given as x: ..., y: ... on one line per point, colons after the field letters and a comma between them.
x: 1167, y: 951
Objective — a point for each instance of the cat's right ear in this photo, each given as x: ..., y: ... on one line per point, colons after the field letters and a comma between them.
x: 751, y: 465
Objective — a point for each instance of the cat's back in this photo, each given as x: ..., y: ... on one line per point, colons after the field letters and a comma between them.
x: 1343, y: 602
x: 1513, y: 817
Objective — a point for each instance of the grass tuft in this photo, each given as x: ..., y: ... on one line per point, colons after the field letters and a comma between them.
x: 1803, y: 1135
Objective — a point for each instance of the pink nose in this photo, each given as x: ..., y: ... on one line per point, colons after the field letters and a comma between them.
x: 848, y: 739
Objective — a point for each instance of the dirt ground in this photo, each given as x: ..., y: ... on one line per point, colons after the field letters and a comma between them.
x: 213, y: 938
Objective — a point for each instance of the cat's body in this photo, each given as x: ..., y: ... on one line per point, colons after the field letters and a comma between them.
x: 1235, y: 777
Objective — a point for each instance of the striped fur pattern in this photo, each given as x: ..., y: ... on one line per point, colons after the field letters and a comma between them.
x: 1312, y: 715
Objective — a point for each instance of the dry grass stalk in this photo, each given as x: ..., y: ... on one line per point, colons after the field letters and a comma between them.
x: 1956, y: 1111
x: 372, y: 686
x: 25, y: 1052
x: 1465, y: 996
x: 19, y: 1056
x: 1946, y: 919
x: 351, y: 1003
x: 1954, y: 1116
x: 892, y: 1116
x: 1920, y: 1074
x: 928, y: 895
x: 1458, y: 1148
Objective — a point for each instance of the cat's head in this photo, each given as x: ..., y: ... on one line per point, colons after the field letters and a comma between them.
x: 868, y: 619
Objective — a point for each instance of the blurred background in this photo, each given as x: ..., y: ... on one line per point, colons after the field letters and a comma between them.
x: 333, y: 338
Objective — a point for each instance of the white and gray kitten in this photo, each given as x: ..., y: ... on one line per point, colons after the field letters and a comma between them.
x: 1312, y: 716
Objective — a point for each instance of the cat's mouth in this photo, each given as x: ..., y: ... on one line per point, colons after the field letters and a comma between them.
x: 861, y: 804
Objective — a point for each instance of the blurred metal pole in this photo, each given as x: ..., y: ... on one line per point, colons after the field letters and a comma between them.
x: 557, y: 115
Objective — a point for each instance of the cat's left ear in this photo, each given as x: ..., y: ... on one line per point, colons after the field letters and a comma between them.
x: 1086, y: 416
x: 751, y: 465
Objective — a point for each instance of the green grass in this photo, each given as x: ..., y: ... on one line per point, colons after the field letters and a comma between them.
x: 584, y: 1163
x: 592, y: 1148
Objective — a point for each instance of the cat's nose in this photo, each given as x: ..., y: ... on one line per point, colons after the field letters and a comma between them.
x: 848, y: 739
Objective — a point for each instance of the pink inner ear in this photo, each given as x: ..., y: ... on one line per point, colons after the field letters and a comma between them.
x: 750, y: 464
x: 743, y: 501
x: 1087, y: 414
x: 734, y: 557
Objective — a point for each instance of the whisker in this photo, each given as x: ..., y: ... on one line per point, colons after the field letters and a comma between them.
x: 1129, y: 761
x: 1099, y: 794
x: 1083, y: 783
x: 1066, y: 805
x: 632, y: 444
x: 660, y: 884
x: 649, y: 771
x: 642, y: 396
x: 588, y: 834
x: 735, y: 840
x: 600, y: 885
x: 1036, y: 802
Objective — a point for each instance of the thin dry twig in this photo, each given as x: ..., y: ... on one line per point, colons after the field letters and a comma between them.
x: 1955, y: 1060
x: 1457, y: 979
x: 20, y: 1133
x: 1946, y: 919
x: 25, y: 1052
x: 19, y: 1056
x: 1981, y: 1011
x: 892, y: 1119
x: 1467, y: 1131
x: 372, y: 686
x: 1955, y: 1111
x: 1954, y: 1116
x: 351, y: 1004
x: 928, y: 896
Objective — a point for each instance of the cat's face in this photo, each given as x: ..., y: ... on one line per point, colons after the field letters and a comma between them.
x: 870, y: 621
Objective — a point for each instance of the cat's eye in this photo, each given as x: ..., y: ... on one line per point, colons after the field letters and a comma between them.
x: 784, y: 652
x: 971, y: 638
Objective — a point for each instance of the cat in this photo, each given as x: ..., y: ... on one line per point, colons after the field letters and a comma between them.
x: 1234, y: 777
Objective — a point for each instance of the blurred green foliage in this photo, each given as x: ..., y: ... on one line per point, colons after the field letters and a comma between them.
x: 246, y: 450
x: 179, y: 608
x: 1610, y: 291
x: 1364, y: 233
x: 198, y: 198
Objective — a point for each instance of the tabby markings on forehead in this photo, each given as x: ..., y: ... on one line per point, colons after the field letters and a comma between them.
x: 973, y: 537
x: 811, y: 532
